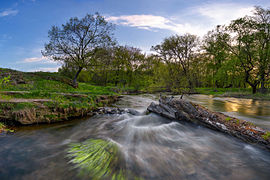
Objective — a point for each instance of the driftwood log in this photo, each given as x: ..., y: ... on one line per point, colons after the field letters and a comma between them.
x: 182, y: 110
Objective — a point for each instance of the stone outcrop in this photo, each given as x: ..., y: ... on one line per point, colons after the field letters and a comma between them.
x: 182, y: 110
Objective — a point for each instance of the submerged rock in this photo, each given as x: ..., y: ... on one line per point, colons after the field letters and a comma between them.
x: 113, y: 110
x: 179, y: 110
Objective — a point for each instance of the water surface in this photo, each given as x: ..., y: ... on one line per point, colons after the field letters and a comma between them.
x: 150, y: 146
x: 255, y: 111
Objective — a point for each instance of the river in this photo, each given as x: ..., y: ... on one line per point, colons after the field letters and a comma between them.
x: 147, y: 146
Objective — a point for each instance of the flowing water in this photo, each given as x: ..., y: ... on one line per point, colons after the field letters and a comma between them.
x: 148, y: 146
x: 255, y: 111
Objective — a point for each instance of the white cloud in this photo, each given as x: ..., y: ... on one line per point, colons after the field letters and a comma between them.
x: 221, y: 13
x: 38, y: 60
x: 151, y: 22
x: 51, y: 69
x: 198, y: 20
x: 141, y: 21
x: 8, y: 12
x: 33, y: 59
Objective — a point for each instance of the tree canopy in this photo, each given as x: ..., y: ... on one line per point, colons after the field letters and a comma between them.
x: 75, y: 42
x: 235, y: 55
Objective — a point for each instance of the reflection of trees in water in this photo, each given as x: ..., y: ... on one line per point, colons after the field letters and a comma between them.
x: 247, y: 106
x: 242, y: 106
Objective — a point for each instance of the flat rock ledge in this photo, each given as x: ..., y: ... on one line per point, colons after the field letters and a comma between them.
x: 182, y: 110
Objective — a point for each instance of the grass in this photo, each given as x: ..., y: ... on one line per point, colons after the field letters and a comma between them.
x: 5, y: 97
x: 38, y: 86
x: 57, y: 89
x: 23, y: 105
x: 46, y: 85
x: 47, y: 82
x: 16, y: 106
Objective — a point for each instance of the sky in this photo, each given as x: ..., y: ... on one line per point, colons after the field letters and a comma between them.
x: 24, y: 24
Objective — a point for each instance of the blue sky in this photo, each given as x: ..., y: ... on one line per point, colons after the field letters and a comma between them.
x: 24, y: 24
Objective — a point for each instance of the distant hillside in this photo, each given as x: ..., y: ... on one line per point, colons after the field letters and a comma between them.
x: 28, y: 80
x: 46, y: 81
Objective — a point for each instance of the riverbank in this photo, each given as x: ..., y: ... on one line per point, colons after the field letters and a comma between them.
x: 233, y: 92
x: 33, y: 98
x: 245, y: 93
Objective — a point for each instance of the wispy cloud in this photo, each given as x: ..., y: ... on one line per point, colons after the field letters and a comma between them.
x: 223, y: 13
x: 38, y: 60
x: 8, y: 12
x: 200, y: 19
x: 50, y: 69
x: 142, y: 21
x: 153, y: 23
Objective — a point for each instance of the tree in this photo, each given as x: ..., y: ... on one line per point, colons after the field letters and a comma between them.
x: 251, y: 45
x: 262, y: 24
x: 178, y: 52
x: 103, y: 65
x: 126, y: 61
x: 216, y: 52
x: 75, y: 42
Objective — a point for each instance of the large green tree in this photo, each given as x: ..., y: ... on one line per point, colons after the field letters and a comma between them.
x: 216, y: 53
x: 75, y: 42
x: 251, y: 45
x: 262, y: 35
x: 178, y: 52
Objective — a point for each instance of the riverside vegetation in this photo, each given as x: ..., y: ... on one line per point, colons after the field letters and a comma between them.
x: 230, y: 58
x: 31, y: 98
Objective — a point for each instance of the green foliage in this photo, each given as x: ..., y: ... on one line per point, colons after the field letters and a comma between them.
x: 6, y: 97
x: 4, y: 81
x: 2, y: 125
x: 78, y: 52
x: 266, y: 136
x: 7, y: 106
x: 228, y: 119
x: 3, y: 128
x: 178, y: 53
x: 97, y: 158
x: 44, y: 85
x: 23, y: 105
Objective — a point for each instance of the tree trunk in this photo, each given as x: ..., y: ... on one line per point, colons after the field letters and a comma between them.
x: 254, y: 89
x: 253, y: 85
x: 75, y: 84
x: 263, y: 89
